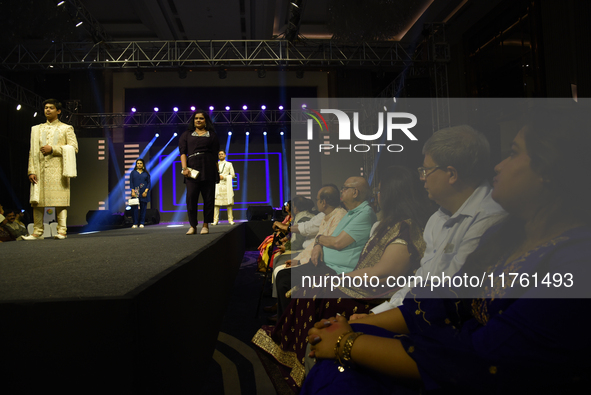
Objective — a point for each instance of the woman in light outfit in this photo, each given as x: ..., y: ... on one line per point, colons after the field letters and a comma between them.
x: 224, y: 193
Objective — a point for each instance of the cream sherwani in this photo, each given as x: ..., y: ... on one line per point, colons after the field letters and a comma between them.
x: 224, y: 193
x: 53, y: 187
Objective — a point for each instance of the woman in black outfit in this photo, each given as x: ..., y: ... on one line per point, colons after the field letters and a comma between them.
x: 199, y: 147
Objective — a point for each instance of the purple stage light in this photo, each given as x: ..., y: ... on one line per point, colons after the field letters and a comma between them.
x: 263, y: 107
x: 227, y: 108
x: 244, y: 107
x: 133, y: 109
x: 192, y: 108
x: 210, y: 108
x: 156, y: 109
x: 304, y: 106
x: 175, y: 109
x: 281, y: 107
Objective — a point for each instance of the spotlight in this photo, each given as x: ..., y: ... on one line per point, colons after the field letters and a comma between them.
x: 222, y: 74
x: 281, y: 107
x: 299, y: 74
x: 34, y: 115
x: 304, y: 106
x: 244, y: 107
x: 175, y: 109
x: 60, y: 3
x: 230, y: 133
x: 262, y: 73
x: 156, y: 109
x: 133, y: 109
x: 79, y: 23
x: 263, y: 107
x: 157, y: 135
x: 247, y: 133
x: 182, y: 73
x: 174, y: 135
x: 264, y: 133
x: 18, y: 107
x: 281, y: 133
x: 227, y: 108
x: 139, y: 74
x: 210, y: 108
x: 192, y: 108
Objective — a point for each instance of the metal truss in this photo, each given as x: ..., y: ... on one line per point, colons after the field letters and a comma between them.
x: 205, y: 54
x: 20, y: 95
x: 144, y: 119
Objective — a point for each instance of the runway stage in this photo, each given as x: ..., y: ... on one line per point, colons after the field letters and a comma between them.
x: 131, y: 311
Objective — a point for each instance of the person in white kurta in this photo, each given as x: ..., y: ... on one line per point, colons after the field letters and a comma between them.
x: 224, y: 193
x: 52, y: 162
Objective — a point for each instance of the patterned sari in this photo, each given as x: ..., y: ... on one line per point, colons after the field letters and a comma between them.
x: 286, y: 342
x: 266, y: 249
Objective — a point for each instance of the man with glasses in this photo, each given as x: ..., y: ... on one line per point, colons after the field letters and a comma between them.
x: 339, y: 252
x: 455, y: 170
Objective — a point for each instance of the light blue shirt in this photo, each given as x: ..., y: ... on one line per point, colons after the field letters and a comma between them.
x: 451, y: 238
x: 357, y: 224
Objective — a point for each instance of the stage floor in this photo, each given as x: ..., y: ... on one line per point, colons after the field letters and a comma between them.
x: 111, y: 263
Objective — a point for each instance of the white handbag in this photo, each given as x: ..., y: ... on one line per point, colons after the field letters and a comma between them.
x: 133, y: 202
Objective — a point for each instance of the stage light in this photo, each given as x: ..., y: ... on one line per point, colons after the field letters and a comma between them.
x: 247, y: 133
x: 264, y: 133
x: 281, y: 107
x: 34, y: 115
x: 157, y: 135
x: 263, y: 107
x: 79, y: 23
x: 18, y: 108
x: 175, y: 109
x: 133, y: 109
x: 230, y: 133
x: 192, y: 108
x: 227, y: 108
x: 60, y: 3
x: 175, y: 135
x: 281, y: 133
x: 156, y: 109
x: 210, y: 108
x: 244, y: 107
x: 304, y: 106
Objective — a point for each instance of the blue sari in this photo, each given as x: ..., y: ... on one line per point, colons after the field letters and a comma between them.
x: 533, y: 340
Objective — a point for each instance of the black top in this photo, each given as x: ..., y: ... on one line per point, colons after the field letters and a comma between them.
x: 207, y: 160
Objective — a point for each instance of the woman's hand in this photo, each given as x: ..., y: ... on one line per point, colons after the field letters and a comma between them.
x: 133, y: 193
x: 186, y: 172
x: 324, y: 335
x: 145, y: 194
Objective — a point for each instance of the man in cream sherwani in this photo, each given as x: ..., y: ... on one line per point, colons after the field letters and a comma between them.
x: 52, y: 162
x: 224, y: 194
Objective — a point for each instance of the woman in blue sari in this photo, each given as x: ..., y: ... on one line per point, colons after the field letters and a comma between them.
x: 522, y: 329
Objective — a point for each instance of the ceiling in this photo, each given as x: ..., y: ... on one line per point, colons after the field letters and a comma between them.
x: 135, y: 20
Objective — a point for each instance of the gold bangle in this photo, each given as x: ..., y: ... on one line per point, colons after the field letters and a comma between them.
x: 337, y: 354
x: 349, y: 346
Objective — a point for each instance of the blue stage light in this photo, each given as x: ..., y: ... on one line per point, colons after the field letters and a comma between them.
x: 281, y: 107
x: 133, y: 109
x: 227, y: 108
x: 244, y: 107
x: 230, y: 133
x: 192, y: 108
x: 210, y: 108
x: 156, y: 109
x: 157, y: 134
x: 176, y: 109
x: 263, y: 107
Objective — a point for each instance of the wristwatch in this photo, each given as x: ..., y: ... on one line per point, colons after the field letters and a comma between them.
x: 317, y: 240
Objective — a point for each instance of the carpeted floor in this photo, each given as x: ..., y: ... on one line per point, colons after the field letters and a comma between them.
x: 236, y: 368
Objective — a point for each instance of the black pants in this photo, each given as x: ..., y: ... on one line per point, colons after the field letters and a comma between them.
x: 207, y: 190
x: 284, y: 284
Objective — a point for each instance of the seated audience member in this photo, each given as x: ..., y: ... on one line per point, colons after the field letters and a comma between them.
x: 328, y: 204
x: 4, y: 234
x: 16, y: 230
x: 454, y: 173
x: 339, y: 252
x: 495, y: 338
x: 280, y: 230
x: 308, y: 229
x: 394, y: 249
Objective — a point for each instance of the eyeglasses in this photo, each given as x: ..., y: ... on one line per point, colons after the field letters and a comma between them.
x: 345, y: 187
x: 423, y: 171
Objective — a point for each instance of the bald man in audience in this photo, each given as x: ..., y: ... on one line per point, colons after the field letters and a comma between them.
x: 338, y: 253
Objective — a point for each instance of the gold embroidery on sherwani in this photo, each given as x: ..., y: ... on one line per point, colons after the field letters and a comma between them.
x: 54, y: 188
